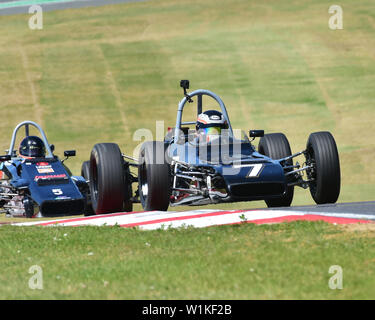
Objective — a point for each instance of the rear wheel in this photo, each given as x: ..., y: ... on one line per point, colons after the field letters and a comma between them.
x: 324, y: 176
x: 108, y: 182
x: 276, y: 146
x: 154, y: 177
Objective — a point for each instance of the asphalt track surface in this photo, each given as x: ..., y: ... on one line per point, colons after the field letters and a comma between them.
x: 52, y: 6
x: 361, y: 208
x: 351, y: 210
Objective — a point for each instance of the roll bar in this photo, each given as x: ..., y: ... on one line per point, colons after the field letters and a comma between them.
x: 26, y: 124
x: 199, y: 93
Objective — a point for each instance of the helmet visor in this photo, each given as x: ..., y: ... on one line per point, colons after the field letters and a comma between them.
x: 212, y: 131
x: 32, y: 151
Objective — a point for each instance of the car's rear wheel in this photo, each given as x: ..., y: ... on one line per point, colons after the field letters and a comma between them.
x: 276, y: 146
x: 324, y: 176
x: 154, y: 177
x: 108, y: 179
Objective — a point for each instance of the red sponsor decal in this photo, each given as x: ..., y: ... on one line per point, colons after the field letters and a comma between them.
x: 53, y: 176
x: 42, y: 164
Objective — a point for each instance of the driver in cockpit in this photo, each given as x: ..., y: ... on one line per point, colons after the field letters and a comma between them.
x: 209, y: 125
x: 32, y: 147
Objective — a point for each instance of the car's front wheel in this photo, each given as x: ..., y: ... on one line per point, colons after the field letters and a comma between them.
x: 324, y: 175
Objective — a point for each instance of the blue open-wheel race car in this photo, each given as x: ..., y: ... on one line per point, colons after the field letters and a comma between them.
x: 36, y: 183
x: 206, y: 161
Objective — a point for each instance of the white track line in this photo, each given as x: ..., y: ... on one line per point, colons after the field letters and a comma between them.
x: 157, y: 219
x: 151, y: 220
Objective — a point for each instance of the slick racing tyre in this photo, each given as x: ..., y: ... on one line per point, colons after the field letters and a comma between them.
x: 154, y: 180
x: 85, y: 173
x: 109, y: 183
x: 276, y: 146
x: 324, y: 176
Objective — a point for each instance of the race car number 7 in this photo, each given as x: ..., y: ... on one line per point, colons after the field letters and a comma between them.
x: 255, y: 170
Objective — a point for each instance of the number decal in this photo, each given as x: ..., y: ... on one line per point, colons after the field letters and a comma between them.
x: 57, y: 192
x: 255, y: 170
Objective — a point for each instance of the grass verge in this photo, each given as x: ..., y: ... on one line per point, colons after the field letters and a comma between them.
x: 284, y: 261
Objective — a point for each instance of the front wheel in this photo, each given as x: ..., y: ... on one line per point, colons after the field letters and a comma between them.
x: 324, y: 175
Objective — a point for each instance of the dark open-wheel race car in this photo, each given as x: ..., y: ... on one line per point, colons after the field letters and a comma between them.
x: 205, y: 161
x: 36, y: 183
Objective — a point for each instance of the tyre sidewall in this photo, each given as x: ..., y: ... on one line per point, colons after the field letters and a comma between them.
x: 152, y: 159
x: 107, y: 178
x: 326, y: 187
x: 276, y: 146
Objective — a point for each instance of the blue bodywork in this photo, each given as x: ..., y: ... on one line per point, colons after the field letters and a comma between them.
x: 24, y: 174
x: 235, y: 168
x: 228, y: 170
x: 45, y: 181
x: 49, y: 185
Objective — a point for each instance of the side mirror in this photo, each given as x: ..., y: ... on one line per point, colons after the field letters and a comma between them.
x: 52, y: 147
x: 256, y: 133
x: 70, y: 153
x: 14, y: 153
x: 5, y: 158
x: 184, y: 84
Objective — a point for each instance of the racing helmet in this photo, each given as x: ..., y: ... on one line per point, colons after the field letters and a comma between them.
x: 210, y: 124
x: 32, y: 146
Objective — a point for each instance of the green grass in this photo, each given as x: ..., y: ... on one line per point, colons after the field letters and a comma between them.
x: 99, y: 74
x: 286, y: 261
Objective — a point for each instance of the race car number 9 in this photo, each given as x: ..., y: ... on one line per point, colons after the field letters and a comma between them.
x: 57, y: 192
